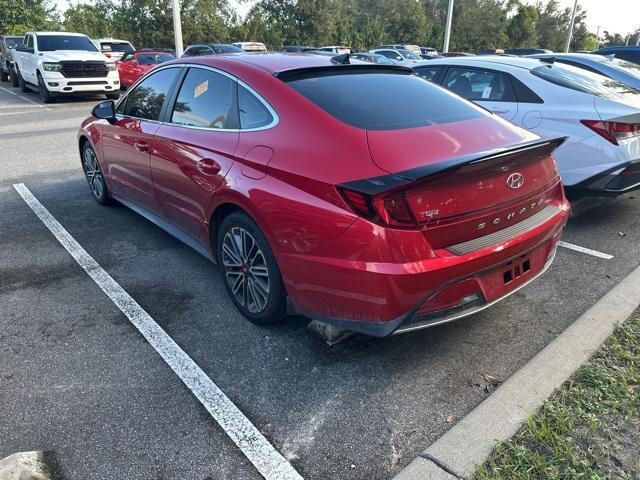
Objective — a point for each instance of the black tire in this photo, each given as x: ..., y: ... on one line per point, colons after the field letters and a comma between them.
x: 43, y: 91
x: 4, y: 76
x: 14, y: 77
x: 94, y: 176
x: 253, y: 282
x: 113, y: 96
x: 21, y: 83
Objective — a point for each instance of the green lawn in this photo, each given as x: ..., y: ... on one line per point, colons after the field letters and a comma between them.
x: 589, y: 429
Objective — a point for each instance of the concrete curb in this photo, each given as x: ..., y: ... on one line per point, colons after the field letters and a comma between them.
x: 24, y: 466
x: 470, y: 442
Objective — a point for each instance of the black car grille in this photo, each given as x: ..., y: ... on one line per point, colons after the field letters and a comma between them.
x: 84, y: 69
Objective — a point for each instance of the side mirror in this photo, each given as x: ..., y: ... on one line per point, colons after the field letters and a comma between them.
x: 105, y: 110
x: 23, y: 48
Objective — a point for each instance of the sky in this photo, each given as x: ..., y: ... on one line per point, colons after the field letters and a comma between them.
x: 616, y: 16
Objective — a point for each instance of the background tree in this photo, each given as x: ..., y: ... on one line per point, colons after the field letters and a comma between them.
x: 522, y: 27
x: 19, y: 16
x: 92, y: 20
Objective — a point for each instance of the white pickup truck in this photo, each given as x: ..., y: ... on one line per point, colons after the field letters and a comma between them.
x: 61, y: 63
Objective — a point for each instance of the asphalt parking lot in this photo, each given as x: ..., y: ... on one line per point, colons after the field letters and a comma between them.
x: 79, y: 381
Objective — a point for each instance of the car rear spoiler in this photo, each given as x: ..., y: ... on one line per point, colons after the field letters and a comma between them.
x: 384, y: 183
x: 338, y: 69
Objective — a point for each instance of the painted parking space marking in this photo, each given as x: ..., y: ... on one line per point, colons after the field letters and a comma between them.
x: 28, y: 100
x: 266, y: 459
x: 588, y: 251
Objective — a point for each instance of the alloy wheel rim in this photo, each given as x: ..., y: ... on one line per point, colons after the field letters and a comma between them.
x: 93, y: 172
x: 245, y: 269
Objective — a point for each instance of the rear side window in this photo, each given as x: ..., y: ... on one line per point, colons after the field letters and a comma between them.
x: 479, y: 85
x: 206, y: 100
x: 383, y: 101
x: 146, y: 100
x: 253, y: 113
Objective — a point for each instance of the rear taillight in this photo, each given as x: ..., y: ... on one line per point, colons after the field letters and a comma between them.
x: 613, y: 131
x: 388, y: 209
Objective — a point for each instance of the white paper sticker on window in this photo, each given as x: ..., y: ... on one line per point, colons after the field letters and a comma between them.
x: 486, y: 93
x: 200, y: 89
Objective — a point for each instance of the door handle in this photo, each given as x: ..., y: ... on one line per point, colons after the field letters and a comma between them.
x: 208, y: 166
x: 141, y: 146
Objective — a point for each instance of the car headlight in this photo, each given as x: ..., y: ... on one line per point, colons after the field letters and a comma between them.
x: 52, y: 67
x: 111, y: 66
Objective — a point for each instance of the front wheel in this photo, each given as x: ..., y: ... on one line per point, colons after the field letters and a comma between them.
x: 43, y: 91
x: 14, y: 77
x: 93, y: 173
x: 249, y: 270
x: 21, y: 83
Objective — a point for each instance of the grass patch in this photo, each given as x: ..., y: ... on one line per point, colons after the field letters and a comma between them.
x: 589, y: 429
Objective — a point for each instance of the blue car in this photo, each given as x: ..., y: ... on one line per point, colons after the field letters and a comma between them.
x: 630, y: 54
x: 623, y: 71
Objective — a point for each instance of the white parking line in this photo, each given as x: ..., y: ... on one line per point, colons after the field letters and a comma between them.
x: 267, y: 460
x: 28, y: 100
x: 588, y: 251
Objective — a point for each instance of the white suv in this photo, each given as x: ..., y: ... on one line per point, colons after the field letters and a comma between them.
x: 61, y: 63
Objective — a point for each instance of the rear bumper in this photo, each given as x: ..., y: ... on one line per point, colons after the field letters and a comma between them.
x: 381, y: 299
x: 613, y: 182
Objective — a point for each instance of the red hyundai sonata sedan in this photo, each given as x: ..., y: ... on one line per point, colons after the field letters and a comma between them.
x: 358, y: 195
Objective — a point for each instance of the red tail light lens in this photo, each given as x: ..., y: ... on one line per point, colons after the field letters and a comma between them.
x: 613, y: 131
x: 389, y: 209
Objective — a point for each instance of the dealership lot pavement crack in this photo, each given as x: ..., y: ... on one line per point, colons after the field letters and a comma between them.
x: 78, y: 380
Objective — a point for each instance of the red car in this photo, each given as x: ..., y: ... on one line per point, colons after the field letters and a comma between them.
x: 358, y: 195
x: 134, y: 65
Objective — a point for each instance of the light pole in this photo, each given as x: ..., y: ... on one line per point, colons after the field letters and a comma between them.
x: 573, y: 19
x: 447, y: 30
x: 598, y: 37
x: 638, y: 39
x: 177, y: 28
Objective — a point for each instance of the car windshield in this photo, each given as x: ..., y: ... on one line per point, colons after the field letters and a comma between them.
x: 227, y: 49
x: 154, y: 58
x: 118, y: 47
x: 409, y: 55
x: 49, y: 43
x: 584, y: 81
x: 374, y: 100
x: 627, y: 67
x: 382, y: 59
x: 12, y: 41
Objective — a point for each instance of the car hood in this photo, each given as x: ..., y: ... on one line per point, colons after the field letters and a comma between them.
x: 72, y: 55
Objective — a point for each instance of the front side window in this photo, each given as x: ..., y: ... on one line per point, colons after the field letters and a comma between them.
x: 479, y: 85
x: 401, y: 100
x: 206, y: 100
x: 253, y: 113
x: 146, y: 100
x: 50, y: 43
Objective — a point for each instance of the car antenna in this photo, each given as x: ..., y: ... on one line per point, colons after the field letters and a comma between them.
x: 341, y: 59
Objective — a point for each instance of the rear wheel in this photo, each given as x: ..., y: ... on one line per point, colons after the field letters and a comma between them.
x: 4, y: 76
x: 43, y: 91
x: 249, y: 270
x: 93, y: 173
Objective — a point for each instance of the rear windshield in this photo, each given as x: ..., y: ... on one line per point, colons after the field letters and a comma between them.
x: 49, y: 43
x: 384, y: 101
x: 118, y: 47
x: 154, y: 58
x: 627, y: 67
x: 584, y: 81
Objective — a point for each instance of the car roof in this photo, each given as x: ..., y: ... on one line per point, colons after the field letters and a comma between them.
x: 279, y: 61
x: 630, y: 48
x: 485, y: 60
x: 71, y: 34
x: 111, y: 40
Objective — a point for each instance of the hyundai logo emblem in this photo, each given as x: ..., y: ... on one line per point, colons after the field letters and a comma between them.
x: 515, y: 180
